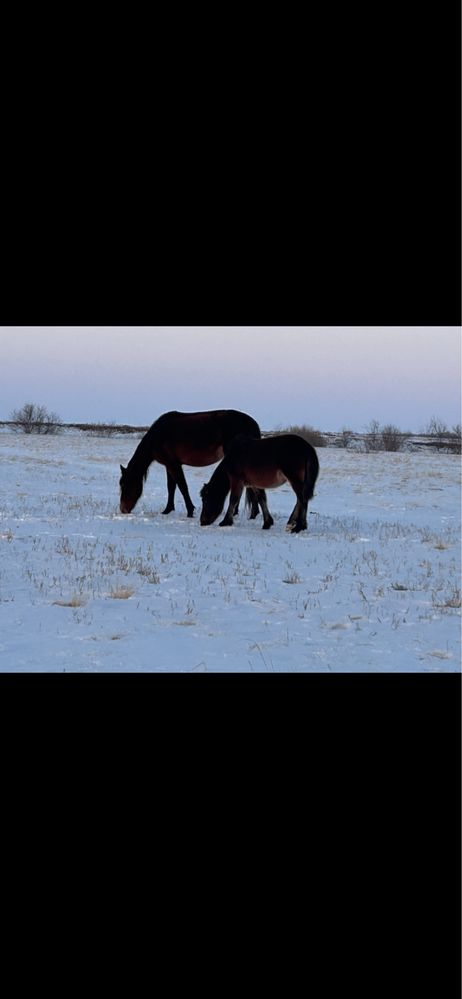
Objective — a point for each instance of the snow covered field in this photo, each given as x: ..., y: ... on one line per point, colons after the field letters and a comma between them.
x: 373, y: 586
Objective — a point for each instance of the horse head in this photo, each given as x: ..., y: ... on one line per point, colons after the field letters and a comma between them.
x: 131, y: 487
x: 212, y: 504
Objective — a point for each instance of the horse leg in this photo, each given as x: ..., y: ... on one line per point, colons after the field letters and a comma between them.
x: 237, y: 489
x: 298, y: 516
x: 254, y: 507
x: 177, y: 474
x: 171, y: 486
x: 294, y: 515
x: 268, y: 521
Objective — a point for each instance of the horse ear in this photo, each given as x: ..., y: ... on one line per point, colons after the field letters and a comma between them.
x: 123, y: 470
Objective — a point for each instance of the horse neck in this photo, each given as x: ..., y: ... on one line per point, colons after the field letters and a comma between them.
x: 143, y: 456
x: 236, y: 424
x: 220, y: 480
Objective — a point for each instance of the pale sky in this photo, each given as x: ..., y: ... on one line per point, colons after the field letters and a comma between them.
x: 326, y: 376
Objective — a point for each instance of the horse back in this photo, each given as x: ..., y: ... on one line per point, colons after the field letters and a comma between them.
x: 269, y: 462
x: 198, y: 439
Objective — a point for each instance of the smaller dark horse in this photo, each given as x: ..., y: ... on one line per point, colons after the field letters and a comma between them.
x: 262, y: 464
x: 178, y: 439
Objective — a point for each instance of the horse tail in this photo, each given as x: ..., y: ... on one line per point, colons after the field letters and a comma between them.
x: 311, y: 474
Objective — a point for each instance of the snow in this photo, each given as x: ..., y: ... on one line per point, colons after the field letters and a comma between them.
x: 374, y: 585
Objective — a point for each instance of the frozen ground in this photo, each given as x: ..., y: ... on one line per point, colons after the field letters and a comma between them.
x: 373, y: 586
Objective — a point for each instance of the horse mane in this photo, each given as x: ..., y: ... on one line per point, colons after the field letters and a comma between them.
x: 163, y: 418
x: 220, y: 480
x: 142, y: 458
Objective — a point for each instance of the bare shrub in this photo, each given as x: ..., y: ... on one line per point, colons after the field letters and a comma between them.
x: 386, y: 438
x: 444, y: 439
x: 103, y: 429
x: 33, y: 419
x: 372, y: 438
x: 436, y: 427
x: 455, y: 439
x: 314, y: 437
x: 346, y: 437
x: 392, y: 438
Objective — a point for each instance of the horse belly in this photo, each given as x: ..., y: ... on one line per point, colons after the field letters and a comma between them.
x: 265, y: 478
x: 199, y: 457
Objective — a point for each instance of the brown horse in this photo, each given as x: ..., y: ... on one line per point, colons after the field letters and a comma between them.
x: 262, y: 464
x: 178, y: 439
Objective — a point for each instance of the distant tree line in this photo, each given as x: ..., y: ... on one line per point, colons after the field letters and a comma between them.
x: 390, y: 438
x: 386, y: 437
x: 35, y: 419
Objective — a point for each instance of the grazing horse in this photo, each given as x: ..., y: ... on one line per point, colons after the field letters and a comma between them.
x: 262, y: 464
x: 176, y: 439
